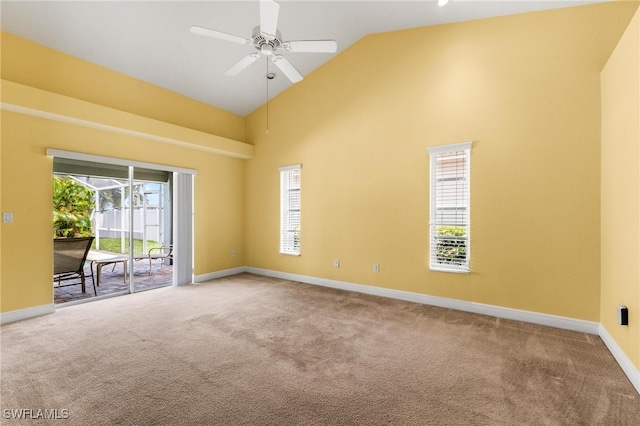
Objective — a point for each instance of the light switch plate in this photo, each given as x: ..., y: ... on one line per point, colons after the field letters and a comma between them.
x: 7, y: 217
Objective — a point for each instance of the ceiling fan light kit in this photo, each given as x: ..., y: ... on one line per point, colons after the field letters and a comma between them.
x: 267, y: 41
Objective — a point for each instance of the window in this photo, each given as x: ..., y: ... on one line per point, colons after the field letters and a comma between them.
x: 290, y: 210
x: 449, y: 217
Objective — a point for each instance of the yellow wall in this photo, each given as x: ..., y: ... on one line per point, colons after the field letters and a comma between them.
x: 26, y: 171
x: 621, y: 190
x: 525, y: 89
x: 37, y: 66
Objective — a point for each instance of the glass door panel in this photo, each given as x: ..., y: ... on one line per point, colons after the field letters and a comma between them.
x: 90, y: 200
x: 152, y: 229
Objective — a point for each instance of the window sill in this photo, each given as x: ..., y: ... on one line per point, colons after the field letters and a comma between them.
x: 450, y: 270
x: 290, y: 253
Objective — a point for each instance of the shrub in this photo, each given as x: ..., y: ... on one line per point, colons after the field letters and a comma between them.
x: 73, y: 204
x: 451, y: 245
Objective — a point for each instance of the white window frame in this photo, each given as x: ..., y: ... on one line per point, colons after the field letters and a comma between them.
x: 456, y: 199
x: 290, y: 203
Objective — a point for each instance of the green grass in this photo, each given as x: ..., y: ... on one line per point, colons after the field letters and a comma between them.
x: 113, y: 245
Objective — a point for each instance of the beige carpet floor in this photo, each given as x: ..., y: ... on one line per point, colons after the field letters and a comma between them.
x: 251, y: 350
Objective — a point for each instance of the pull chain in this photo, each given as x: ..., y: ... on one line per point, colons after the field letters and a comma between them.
x: 267, y: 77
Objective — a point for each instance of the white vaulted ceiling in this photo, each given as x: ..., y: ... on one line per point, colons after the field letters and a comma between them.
x: 151, y: 41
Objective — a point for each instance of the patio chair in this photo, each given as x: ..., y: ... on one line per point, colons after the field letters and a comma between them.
x: 69, y: 257
x: 165, y: 251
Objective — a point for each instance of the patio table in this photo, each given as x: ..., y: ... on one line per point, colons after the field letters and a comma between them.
x: 102, y: 258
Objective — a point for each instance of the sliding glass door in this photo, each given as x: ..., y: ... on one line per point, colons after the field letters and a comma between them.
x: 140, y: 219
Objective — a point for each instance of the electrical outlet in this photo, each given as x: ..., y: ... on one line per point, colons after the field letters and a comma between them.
x: 336, y: 263
x: 623, y: 315
x: 7, y: 217
x: 376, y: 267
x: 233, y: 253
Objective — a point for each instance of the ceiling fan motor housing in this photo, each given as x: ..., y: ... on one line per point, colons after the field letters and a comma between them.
x: 265, y: 43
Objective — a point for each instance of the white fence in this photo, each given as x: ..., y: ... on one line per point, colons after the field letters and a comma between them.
x: 115, y: 224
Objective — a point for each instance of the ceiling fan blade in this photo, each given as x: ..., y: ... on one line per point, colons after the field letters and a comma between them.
x: 315, y: 46
x: 286, y: 67
x: 217, y: 34
x: 242, y: 64
x: 269, y: 10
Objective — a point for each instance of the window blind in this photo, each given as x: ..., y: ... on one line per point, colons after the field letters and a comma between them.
x: 290, y: 209
x: 449, y: 213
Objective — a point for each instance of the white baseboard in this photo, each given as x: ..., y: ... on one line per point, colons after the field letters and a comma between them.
x: 623, y: 360
x: 219, y: 274
x: 443, y: 302
x: 22, y: 314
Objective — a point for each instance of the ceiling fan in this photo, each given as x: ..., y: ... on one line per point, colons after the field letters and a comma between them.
x: 267, y: 41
